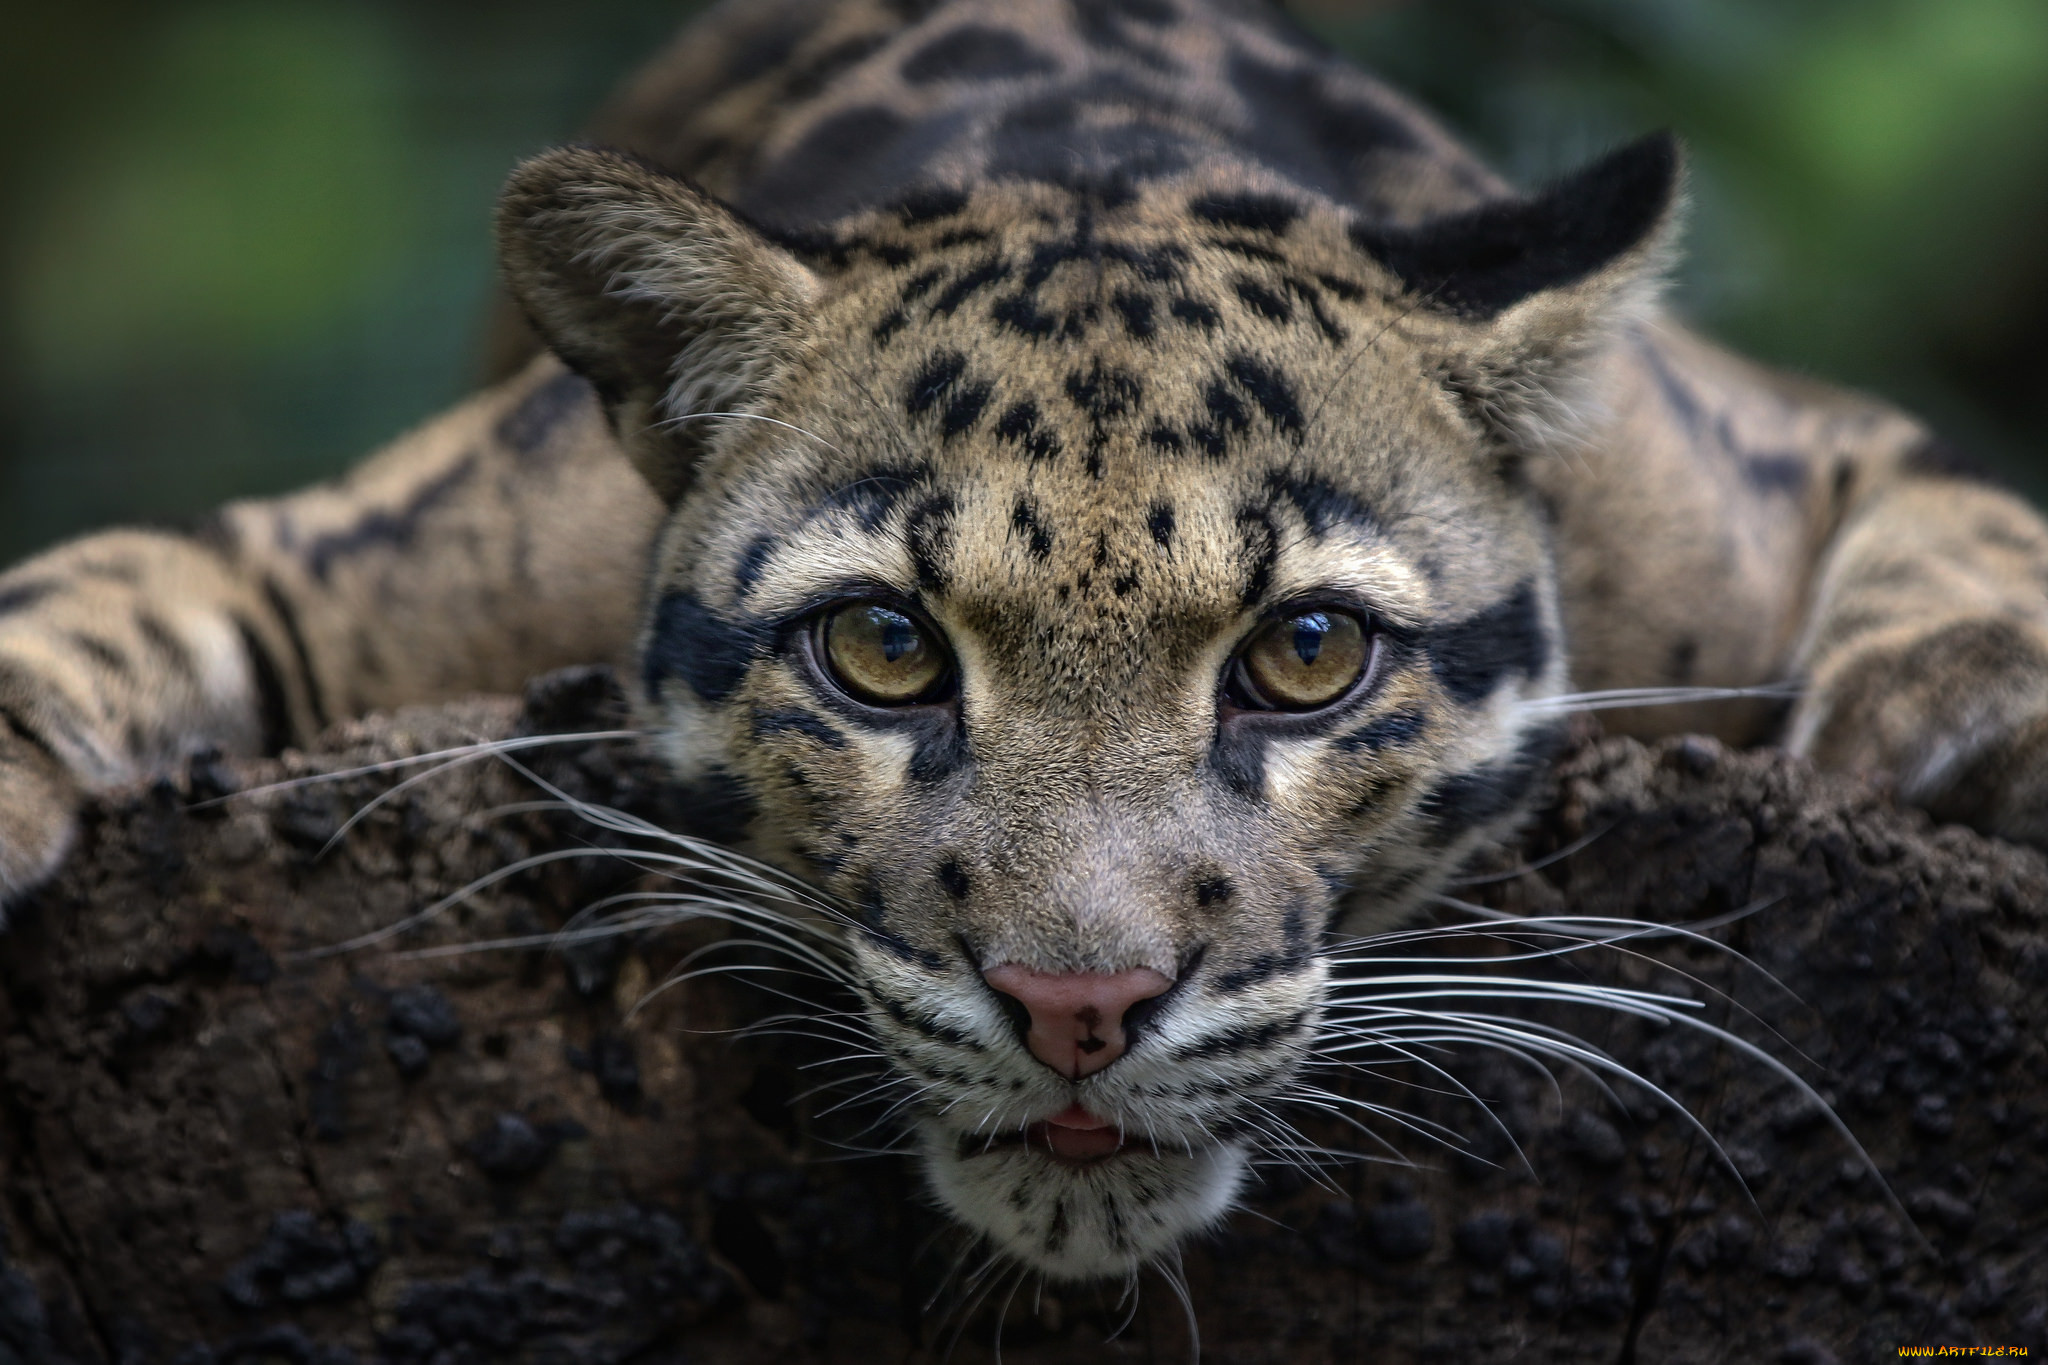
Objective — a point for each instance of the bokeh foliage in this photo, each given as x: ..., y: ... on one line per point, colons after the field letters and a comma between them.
x: 244, y: 241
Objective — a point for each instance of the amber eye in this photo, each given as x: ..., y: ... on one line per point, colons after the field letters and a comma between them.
x: 883, y: 656
x: 1300, y: 662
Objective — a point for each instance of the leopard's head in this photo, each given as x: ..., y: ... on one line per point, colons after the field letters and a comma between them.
x: 1103, y: 595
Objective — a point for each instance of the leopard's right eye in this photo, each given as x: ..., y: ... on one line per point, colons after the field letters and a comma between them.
x: 883, y: 656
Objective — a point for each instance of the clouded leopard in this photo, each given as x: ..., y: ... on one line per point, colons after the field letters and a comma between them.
x: 1110, y: 495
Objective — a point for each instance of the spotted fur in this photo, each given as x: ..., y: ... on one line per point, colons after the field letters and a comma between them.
x: 1100, y: 332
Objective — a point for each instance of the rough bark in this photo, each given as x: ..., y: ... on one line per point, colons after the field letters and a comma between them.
x: 216, y: 1148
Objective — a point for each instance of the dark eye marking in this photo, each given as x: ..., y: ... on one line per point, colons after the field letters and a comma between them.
x: 1470, y: 657
x: 766, y: 723
x: 1320, y: 503
x: 691, y: 642
x: 1465, y: 801
x: 1399, y: 727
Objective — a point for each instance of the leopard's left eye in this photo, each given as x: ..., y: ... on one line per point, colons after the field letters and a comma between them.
x: 1302, y: 662
x: 883, y: 656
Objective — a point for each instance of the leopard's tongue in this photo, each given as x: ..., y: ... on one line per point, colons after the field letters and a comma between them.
x: 1074, y: 1134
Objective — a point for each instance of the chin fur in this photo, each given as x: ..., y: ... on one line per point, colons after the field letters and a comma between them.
x: 1081, y: 1222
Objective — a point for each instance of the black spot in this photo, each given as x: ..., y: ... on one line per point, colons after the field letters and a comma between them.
x: 752, y: 560
x: 1160, y: 522
x: 1019, y: 426
x: 920, y: 284
x: 940, y: 380
x: 954, y: 878
x: 21, y: 596
x: 1261, y: 551
x: 1310, y: 134
x: 1936, y: 458
x: 1782, y: 474
x: 1257, y: 212
x: 1227, y: 418
x: 691, y: 642
x: 1125, y: 583
x: 1486, y: 259
x: 1164, y: 437
x: 1397, y: 727
x: 382, y: 528
x: 766, y: 723
x: 1264, y: 301
x: 929, y: 203
x: 1136, y: 309
x: 1213, y: 890
x: 928, y: 531
x: 1320, y: 503
x: 964, y: 409
x: 892, y: 322
x: 527, y: 427
x: 807, y: 79
x: 1332, y: 330
x: 874, y: 495
x: 988, y: 272
x: 1249, y: 249
x: 1038, y: 540
x: 832, y: 171
x: 974, y: 52
x: 1470, y: 657
x: 1348, y: 290
x: 1021, y: 313
x: 933, y: 382
x: 1104, y: 392
x: 1270, y: 390
x: 1196, y: 312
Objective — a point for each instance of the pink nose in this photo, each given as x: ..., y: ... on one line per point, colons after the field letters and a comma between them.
x: 1077, y: 1018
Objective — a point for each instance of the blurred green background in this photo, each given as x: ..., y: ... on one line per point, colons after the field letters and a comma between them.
x: 244, y: 241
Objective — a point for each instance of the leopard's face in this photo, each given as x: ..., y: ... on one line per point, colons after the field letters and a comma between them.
x: 1111, y: 601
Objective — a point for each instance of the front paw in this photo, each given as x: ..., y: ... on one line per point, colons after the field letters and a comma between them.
x: 39, y: 804
x: 1958, y: 716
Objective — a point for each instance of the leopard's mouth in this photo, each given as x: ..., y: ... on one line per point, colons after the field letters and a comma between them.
x: 1072, y: 1137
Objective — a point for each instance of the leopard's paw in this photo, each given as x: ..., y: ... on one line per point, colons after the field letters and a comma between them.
x: 1958, y: 716
x: 39, y: 804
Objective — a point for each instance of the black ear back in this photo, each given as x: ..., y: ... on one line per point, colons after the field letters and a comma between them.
x: 1482, y: 262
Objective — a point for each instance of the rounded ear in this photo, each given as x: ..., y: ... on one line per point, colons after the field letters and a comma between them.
x: 1517, y: 298
x: 671, y: 306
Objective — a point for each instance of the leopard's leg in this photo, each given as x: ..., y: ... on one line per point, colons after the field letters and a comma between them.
x: 1926, y: 653
x: 502, y: 539
x: 1736, y: 526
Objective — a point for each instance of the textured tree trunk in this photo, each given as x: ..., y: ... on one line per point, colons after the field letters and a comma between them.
x: 223, y: 1145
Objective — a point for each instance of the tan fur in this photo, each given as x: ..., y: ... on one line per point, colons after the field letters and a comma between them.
x: 1096, y: 433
